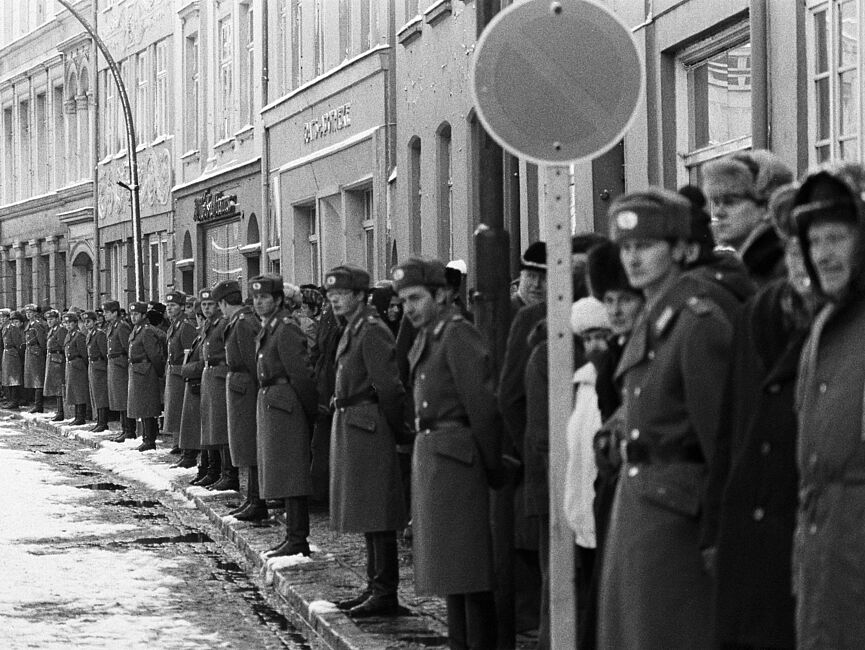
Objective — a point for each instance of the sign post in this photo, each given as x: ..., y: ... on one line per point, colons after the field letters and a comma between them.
x: 557, y: 82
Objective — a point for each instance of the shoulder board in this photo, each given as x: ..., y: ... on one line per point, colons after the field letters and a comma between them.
x: 286, y: 319
x: 664, y: 320
x: 437, y: 332
x: 242, y: 316
x: 699, y: 306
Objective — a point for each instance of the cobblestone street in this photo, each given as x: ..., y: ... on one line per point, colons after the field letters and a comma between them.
x: 90, y: 560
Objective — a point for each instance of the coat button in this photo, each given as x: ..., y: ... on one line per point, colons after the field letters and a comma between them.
x: 651, y: 354
x: 342, y: 409
x: 765, y: 448
x: 775, y: 389
x: 823, y: 388
x: 635, y: 434
x: 812, y: 460
x: 813, y: 529
x: 758, y: 514
x: 424, y: 404
x: 422, y: 376
x: 637, y: 391
x: 633, y: 471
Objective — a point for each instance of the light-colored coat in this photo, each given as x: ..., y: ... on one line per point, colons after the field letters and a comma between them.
x: 366, y: 492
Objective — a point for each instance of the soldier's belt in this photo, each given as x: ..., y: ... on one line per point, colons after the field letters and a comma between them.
x: 213, y: 364
x: 450, y: 423
x: 276, y: 381
x: 98, y: 357
x: 139, y: 360
x: 366, y: 397
x: 637, y: 453
x: 56, y: 350
x: 73, y: 358
x: 114, y: 355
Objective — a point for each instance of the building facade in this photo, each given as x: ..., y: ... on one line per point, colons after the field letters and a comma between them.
x: 47, y: 118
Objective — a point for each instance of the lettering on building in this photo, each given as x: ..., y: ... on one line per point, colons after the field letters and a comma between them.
x: 214, y: 206
x: 336, y: 119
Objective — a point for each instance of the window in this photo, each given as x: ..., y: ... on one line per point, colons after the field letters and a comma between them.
x: 158, y: 253
x: 345, y: 29
x: 9, y: 180
x: 368, y: 225
x: 161, y: 122
x: 59, y: 139
x: 318, y: 39
x: 45, y: 279
x: 121, y: 118
x: 833, y: 71
x: 142, y: 108
x: 24, y: 161
x: 296, y: 44
x: 248, y: 76
x: 415, y: 193
x: 714, y: 91
x: 226, y: 52
x: 110, y: 125
x: 306, y: 226
x: 444, y: 192
x: 193, y: 89
x: 43, y: 163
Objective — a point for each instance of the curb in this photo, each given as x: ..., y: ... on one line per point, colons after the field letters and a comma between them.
x: 296, y: 586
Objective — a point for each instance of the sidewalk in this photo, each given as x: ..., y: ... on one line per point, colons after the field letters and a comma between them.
x: 306, y: 586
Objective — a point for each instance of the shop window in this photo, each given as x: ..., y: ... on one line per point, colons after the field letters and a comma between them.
x: 834, y: 71
x: 714, y: 92
x: 192, y: 94
x: 307, y: 247
x: 444, y: 191
x: 414, y: 194
x: 368, y: 225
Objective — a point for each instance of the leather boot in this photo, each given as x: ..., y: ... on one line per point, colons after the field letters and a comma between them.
x: 80, y: 410
x: 228, y: 479
x: 101, y: 421
x: 148, y: 434
x: 256, y: 507
x: 189, y: 458
x: 129, y: 426
x: 296, y: 529
x: 383, y: 568
x: 38, y: 401
x: 203, y: 467
x: 214, y: 468
x: 14, y: 401
x: 59, y: 417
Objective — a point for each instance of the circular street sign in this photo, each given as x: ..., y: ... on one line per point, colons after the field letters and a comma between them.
x: 556, y: 82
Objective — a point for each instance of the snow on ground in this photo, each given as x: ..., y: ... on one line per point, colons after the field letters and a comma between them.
x: 62, y: 585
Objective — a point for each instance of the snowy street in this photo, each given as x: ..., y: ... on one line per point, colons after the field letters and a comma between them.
x: 92, y: 560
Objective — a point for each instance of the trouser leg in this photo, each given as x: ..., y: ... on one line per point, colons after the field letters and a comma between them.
x: 385, y: 562
x: 544, y: 553
x: 297, y: 522
x: 480, y: 613
x: 457, y: 632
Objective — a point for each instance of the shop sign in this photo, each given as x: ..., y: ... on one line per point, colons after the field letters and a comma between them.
x: 210, y: 207
x: 336, y: 119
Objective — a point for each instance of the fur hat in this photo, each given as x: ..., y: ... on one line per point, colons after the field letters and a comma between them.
x: 605, y: 271
x: 755, y: 174
x: 653, y: 213
x: 535, y: 257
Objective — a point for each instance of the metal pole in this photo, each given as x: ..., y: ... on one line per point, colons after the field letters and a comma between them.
x: 130, y: 145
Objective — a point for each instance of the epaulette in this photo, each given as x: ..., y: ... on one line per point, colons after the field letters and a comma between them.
x: 286, y: 320
x: 437, y: 332
x: 242, y: 315
x: 699, y: 306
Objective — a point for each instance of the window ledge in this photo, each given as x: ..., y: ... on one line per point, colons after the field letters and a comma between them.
x: 141, y: 147
x: 250, y: 249
x: 272, y: 249
x: 223, y: 145
x: 185, y: 263
x: 245, y: 133
x: 437, y: 12
x: 192, y: 154
x: 120, y: 154
x: 160, y: 139
x: 410, y: 31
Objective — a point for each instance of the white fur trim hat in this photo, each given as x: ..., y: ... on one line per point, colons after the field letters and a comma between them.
x: 588, y: 314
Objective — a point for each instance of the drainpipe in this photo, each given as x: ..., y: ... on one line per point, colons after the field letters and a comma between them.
x: 760, y: 134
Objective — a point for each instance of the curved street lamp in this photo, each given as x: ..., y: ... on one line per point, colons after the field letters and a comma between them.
x: 133, y: 185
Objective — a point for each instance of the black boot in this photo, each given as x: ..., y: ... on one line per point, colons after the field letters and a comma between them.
x: 14, y: 401
x: 80, y: 410
x: 203, y: 467
x: 214, y: 468
x: 101, y: 421
x: 383, y: 569
x: 148, y: 434
x: 228, y: 479
x: 188, y: 459
x: 296, y: 529
x: 37, y: 401
x: 124, y: 433
x: 59, y: 417
x: 256, y: 507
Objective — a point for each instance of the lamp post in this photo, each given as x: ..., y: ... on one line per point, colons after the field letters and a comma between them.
x: 133, y: 185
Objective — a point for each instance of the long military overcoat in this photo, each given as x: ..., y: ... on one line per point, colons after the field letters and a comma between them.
x: 77, y: 384
x: 458, y: 444
x: 118, y: 364
x: 655, y: 592
x: 55, y: 363
x: 97, y: 367
x: 190, y: 418
x: 13, y: 356
x: 366, y: 493
x: 241, y: 386
x: 180, y: 336
x: 36, y: 346
x: 829, y: 544
x: 214, y: 416
x: 146, y: 363
x: 285, y: 410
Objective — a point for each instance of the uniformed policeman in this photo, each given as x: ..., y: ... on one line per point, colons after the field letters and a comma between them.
x: 190, y: 419
x: 77, y: 386
x: 4, y: 324
x: 214, y: 429
x: 180, y: 335
x: 55, y: 363
x: 35, y: 342
x: 654, y: 590
x: 365, y: 484
x: 156, y: 317
x: 241, y: 392
x: 97, y: 369
x: 285, y: 410
x: 456, y: 454
x: 118, y: 331
x: 146, y: 364
x: 13, y: 359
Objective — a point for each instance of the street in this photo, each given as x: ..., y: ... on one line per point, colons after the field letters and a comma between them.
x: 90, y: 560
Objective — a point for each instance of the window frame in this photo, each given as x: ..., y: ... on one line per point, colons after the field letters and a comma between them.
x: 142, y: 96
x: 161, y: 89
x: 225, y: 79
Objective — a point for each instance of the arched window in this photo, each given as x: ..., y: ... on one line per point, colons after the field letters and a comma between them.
x: 444, y: 191
x: 252, y: 234
x: 414, y: 194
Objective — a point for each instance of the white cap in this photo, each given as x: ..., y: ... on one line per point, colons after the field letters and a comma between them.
x: 459, y: 265
x: 588, y: 314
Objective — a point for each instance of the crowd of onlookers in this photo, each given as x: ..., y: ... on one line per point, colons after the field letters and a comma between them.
x: 716, y: 445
